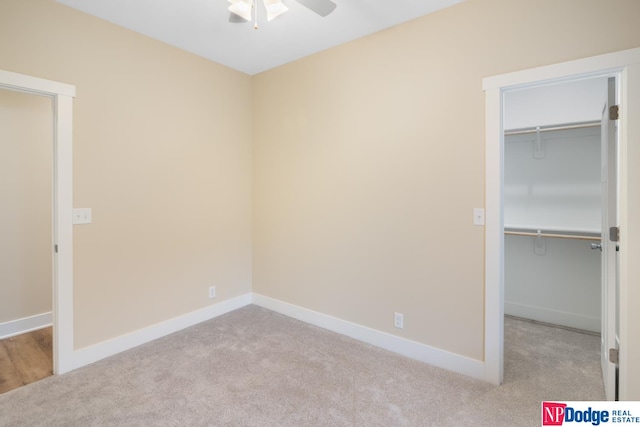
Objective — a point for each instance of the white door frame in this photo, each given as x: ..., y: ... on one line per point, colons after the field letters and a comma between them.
x: 624, y: 62
x: 62, y: 96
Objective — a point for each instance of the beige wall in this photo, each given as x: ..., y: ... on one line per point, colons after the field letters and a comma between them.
x: 26, y: 144
x: 369, y: 160
x: 162, y: 153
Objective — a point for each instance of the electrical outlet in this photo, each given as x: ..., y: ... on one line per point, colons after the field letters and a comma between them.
x: 398, y: 320
x: 212, y: 292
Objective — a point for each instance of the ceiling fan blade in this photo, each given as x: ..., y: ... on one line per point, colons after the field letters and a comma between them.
x: 235, y: 19
x: 242, y: 8
x: 321, y: 7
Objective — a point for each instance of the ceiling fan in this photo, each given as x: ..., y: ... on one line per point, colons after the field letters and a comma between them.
x: 241, y: 10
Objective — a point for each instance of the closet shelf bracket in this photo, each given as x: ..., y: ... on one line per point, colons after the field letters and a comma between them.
x: 538, y: 145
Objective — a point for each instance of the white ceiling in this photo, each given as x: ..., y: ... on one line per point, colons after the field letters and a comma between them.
x: 202, y: 26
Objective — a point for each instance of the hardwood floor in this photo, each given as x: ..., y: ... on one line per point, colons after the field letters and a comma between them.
x: 25, y: 358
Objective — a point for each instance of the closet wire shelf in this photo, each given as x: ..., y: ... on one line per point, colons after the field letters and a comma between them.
x: 551, y: 128
x: 539, y: 233
x: 535, y: 232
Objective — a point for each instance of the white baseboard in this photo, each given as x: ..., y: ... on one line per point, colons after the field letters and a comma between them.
x: 414, y: 350
x: 542, y: 314
x: 125, y: 342
x: 24, y: 325
x: 424, y: 353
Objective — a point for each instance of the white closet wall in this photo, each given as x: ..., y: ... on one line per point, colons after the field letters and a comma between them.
x: 572, y: 102
x: 552, y: 184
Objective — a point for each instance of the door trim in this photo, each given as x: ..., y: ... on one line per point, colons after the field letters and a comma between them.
x: 494, y: 87
x: 62, y: 96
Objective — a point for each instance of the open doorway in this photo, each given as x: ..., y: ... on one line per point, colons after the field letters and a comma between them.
x: 26, y: 247
x: 61, y: 96
x: 556, y: 202
x: 624, y: 66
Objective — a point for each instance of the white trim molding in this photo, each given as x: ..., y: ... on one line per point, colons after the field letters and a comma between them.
x: 63, y: 329
x: 414, y: 350
x: 128, y: 341
x: 35, y: 85
x: 24, y: 325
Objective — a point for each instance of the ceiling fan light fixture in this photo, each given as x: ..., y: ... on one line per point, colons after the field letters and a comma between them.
x: 242, y: 8
x: 274, y: 8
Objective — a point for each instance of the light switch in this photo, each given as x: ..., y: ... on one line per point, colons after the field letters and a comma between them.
x: 478, y: 216
x: 82, y: 216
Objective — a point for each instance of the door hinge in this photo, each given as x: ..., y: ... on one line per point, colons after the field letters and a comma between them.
x: 614, y: 355
x: 614, y: 234
x: 613, y: 112
x: 55, y: 248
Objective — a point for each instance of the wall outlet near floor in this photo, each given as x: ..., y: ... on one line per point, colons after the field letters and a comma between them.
x: 212, y: 292
x: 398, y: 320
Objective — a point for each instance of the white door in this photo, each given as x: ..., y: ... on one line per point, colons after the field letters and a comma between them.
x: 609, y: 246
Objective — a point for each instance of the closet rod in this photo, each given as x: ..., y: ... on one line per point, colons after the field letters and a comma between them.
x: 557, y: 236
x: 568, y: 126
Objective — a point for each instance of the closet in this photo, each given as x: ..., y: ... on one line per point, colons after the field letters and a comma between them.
x: 552, y: 203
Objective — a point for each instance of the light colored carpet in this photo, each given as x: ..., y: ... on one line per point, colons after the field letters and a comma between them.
x: 253, y: 367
